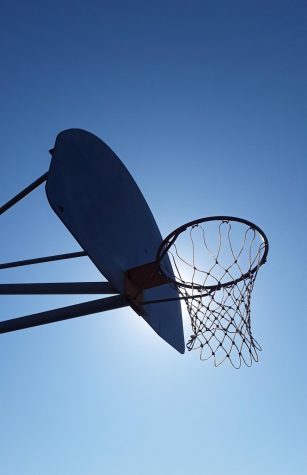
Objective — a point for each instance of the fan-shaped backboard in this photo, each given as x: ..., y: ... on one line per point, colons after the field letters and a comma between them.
x: 97, y: 199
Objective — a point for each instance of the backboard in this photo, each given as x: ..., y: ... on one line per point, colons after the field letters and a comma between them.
x: 96, y: 198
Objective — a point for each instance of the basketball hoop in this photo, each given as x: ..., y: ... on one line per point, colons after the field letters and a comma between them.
x: 215, y: 262
x: 210, y: 263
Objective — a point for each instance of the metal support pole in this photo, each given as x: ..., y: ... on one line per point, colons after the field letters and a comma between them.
x: 41, y: 260
x: 64, y: 313
x: 58, y: 288
x: 23, y: 193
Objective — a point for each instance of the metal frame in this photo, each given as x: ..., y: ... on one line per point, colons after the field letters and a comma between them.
x: 58, y: 288
x: 23, y: 193
x: 63, y: 313
x: 40, y: 260
x: 70, y: 288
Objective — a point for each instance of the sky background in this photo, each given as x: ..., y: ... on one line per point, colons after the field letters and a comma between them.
x: 205, y: 103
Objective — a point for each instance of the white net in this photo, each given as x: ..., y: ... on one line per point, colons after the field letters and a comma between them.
x: 215, y: 263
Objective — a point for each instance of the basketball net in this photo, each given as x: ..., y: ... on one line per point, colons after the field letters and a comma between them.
x: 215, y: 263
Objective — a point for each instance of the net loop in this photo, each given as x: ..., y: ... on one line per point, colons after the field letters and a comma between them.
x: 215, y: 262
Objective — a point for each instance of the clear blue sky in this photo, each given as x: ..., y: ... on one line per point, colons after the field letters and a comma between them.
x: 205, y: 103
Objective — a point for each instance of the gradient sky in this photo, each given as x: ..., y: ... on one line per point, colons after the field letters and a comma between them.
x: 205, y: 103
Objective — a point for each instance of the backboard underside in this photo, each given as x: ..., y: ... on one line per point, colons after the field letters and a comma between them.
x: 96, y: 198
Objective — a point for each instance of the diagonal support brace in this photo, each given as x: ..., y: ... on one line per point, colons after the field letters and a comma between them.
x: 63, y: 313
x: 58, y: 288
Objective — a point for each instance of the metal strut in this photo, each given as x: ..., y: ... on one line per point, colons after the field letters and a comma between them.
x: 63, y: 313
x: 40, y: 260
x: 23, y: 193
x: 58, y: 288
